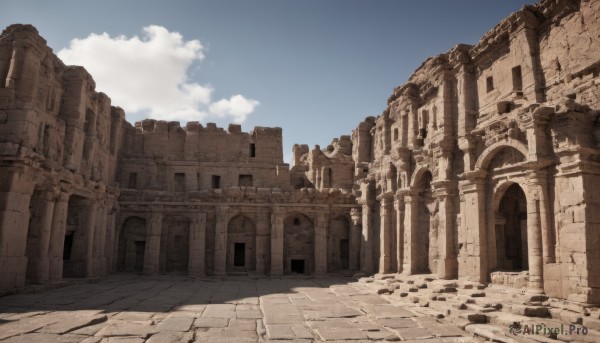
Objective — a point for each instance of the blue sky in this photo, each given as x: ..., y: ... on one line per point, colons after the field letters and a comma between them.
x: 316, y: 68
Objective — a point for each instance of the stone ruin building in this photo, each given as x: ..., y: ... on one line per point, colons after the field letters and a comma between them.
x: 484, y: 166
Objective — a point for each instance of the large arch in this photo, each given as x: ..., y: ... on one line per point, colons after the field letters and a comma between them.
x: 132, y: 245
x: 510, y: 225
x: 426, y: 231
x: 75, y: 250
x: 490, y: 152
x: 174, y: 244
x: 339, y: 244
x: 298, y: 244
x: 241, y: 244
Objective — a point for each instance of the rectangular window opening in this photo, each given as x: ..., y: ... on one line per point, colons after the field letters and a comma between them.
x: 132, y: 180
x: 245, y: 181
x: 517, y: 79
x: 252, y: 150
x: 179, y: 184
x: 216, y: 182
x: 489, y: 82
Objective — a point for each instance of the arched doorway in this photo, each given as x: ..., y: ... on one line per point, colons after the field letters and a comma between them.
x: 426, y: 233
x: 511, y: 230
x: 298, y: 245
x: 339, y: 244
x: 132, y: 245
x: 174, y: 244
x: 241, y: 244
x: 76, y: 237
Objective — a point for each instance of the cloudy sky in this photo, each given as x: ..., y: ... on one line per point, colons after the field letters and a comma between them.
x: 313, y: 67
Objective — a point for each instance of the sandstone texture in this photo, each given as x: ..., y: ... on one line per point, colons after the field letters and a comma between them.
x: 484, y: 168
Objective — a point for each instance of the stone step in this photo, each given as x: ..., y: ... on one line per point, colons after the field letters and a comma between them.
x: 473, y: 317
x: 529, y: 311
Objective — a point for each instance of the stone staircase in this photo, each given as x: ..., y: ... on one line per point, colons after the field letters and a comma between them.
x: 489, y: 311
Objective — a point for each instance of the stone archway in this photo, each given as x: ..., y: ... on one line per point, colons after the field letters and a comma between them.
x: 132, y: 245
x: 339, y: 244
x: 426, y: 236
x: 174, y: 244
x: 298, y: 244
x: 511, y: 230
x: 241, y: 244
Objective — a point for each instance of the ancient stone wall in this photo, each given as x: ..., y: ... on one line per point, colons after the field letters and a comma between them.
x: 515, y: 112
x: 59, y: 139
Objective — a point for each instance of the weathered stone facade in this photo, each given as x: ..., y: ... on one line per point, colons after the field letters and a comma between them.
x: 483, y: 167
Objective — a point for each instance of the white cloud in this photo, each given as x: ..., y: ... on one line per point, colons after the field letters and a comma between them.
x: 151, y: 74
x: 236, y: 107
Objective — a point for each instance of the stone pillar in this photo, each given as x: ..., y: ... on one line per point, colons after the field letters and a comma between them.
x: 277, y: 235
x: 411, y: 219
x: 366, y: 248
x: 473, y: 257
x: 153, y: 233
x: 197, y: 249
x: 221, y: 241
x: 262, y: 242
x: 448, y: 268
x: 15, y: 194
x: 38, y: 265
x: 100, y: 250
x: 355, y: 233
x: 90, y: 232
x: 534, y: 244
x: 399, y: 244
x: 321, y: 243
x: 385, y: 234
x: 57, y: 236
x: 111, y: 243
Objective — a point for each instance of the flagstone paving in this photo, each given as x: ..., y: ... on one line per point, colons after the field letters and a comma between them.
x: 128, y: 308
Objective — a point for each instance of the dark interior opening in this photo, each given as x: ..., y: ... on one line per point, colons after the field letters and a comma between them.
x: 140, y: 248
x: 239, y: 254
x: 345, y: 253
x: 297, y: 266
x: 216, y: 181
x: 252, y: 150
x: 68, y: 245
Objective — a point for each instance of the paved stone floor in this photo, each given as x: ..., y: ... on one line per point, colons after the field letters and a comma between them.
x: 128, y: 308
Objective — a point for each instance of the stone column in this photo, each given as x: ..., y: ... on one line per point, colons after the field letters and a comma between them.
x: 153, y: 233
x: 90, y: 232
x: 355, y: 233
x: 385, y: 234
x: 57, y: 236
x: 448, y: 268
x: 16, y: 189
x: 110, y: 251
x: 366, y: 248
x: 277, y: 235
x: 474, y: 256
x: 321, y: 243
x: 399, y: 244
x: 38, y: 265
x: 197, y: 249
x: 534, y: 243
x: 100, y: 251
x: 411, y: 218
x: 221, y: 241
x: 262, y: 242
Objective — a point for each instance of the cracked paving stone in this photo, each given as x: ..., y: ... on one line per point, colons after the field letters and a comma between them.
x: 211, y: 322
x: 176, y: 323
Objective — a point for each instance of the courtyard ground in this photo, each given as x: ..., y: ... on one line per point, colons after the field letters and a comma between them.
x: 132, y: 308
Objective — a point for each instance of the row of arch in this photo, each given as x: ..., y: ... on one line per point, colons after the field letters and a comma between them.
x: 505, y: 227
x: 241, y: 255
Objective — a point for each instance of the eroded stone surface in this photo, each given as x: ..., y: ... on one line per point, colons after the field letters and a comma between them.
x: 340, y: 318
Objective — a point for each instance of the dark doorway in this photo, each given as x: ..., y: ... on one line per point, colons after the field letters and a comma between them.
x: 345, y: 253
x: 511, y: 230
x: 68, y: 246
x: 140, y: 247
x: 239, y: 255
x: 297, y: 266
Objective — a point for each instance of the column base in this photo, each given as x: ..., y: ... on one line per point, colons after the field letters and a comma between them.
x: 12, y: 272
